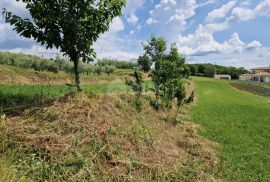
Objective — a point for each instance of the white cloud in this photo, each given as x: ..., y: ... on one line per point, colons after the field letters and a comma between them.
x: 130, y: 10
x: 132, y: 19
x: 117, y: 25
x: 151, y: 21
x: 202, y: 43
x: 254, y: 45
x: 205, y: 3
x: 245, y: 13
x: 221, y: 12
x: 170, y: 17
x: 111, y: 45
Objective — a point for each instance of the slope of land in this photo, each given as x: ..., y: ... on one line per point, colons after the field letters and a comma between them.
x: 239, y: 122
x: 103, y: 138
x: 15, y: 75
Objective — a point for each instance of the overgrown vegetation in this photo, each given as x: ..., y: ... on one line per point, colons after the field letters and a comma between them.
x: 107, y: 141
x: 256, y: 89
x: 209, y: 70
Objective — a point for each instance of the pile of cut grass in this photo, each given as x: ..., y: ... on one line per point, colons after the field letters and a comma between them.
x: 103, y: 138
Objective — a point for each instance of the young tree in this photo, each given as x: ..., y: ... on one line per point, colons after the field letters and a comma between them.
x: 137, y: 87
x: 168, y: 71
x: 109, y: 69
x: 70, y: 25
x: 168, y: 75
x: 154, y: 50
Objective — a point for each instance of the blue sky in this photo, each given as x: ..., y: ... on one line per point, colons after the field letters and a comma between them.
x: 231, y: 33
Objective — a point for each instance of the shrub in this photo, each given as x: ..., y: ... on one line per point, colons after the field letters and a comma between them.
x: 137, y: 87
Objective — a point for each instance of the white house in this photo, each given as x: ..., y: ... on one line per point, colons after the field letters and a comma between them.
x: 259, y: 74
x: 223, y: 77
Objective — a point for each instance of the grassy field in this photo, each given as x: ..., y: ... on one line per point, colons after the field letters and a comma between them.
x: 239, y: 122
x: 16, y: 96
x: 14, y: 75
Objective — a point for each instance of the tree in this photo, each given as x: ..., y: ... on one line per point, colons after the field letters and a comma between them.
x: 137, y: 87
x: 167, y: 73
x: 210, y: 71
x: 72, y: 26
x: 201, y: 68
x: 193, y: 70
x: 145, y: 63
x: 109, y: 69
x: 154, y: 50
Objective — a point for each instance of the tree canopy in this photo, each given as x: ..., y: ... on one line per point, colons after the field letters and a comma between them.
x: 68, y: 25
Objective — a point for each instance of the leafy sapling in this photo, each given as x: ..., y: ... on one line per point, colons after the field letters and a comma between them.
x: 137, y: 86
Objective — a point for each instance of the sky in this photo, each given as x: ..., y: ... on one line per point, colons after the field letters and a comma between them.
x: 230, y: 33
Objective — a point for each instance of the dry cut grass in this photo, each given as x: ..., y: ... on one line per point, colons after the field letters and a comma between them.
x: 84, y: 137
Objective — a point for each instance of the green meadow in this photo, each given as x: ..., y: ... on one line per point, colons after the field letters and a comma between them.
x: 240, y: 124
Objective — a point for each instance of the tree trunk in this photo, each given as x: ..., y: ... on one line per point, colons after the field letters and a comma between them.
x: 77, y: 74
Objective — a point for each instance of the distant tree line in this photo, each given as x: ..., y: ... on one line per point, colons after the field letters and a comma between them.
x: 117, y: 63
x: 209, y: 70
x: 59, y: 64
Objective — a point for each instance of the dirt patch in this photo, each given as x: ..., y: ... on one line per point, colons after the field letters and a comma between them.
x: 113, y: 140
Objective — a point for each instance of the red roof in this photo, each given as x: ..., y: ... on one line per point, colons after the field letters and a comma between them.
x: 258, y: 74
x: 262, y: 68
x: 262, y: 74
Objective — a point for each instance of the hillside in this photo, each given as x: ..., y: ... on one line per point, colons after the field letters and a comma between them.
x: 84, y: 136
x: 15, y: 75
x: 51, y: 133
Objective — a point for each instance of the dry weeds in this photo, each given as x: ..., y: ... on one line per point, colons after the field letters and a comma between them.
x: 115, y: 141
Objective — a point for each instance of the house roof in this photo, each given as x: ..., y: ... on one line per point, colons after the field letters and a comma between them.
x: 262, y: 68
x: 267, y: 74
x: 222, y: 75
x: 263, y: 74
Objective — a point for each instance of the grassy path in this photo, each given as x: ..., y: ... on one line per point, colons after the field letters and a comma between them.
x: 240, y: 123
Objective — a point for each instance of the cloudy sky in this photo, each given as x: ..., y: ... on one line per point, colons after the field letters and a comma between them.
x: 226, y: 32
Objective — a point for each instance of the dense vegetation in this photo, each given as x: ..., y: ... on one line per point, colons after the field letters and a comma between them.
x: 209, y: 70
x: 59, y: 64
x: 117, y: 63
x: 256, y: 89
x: 239, y: 123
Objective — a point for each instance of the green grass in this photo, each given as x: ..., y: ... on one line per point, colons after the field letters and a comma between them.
x: 240, y: 123
x: 14, y: 96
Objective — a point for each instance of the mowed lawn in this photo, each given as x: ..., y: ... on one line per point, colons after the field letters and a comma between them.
x: 240, y: 123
